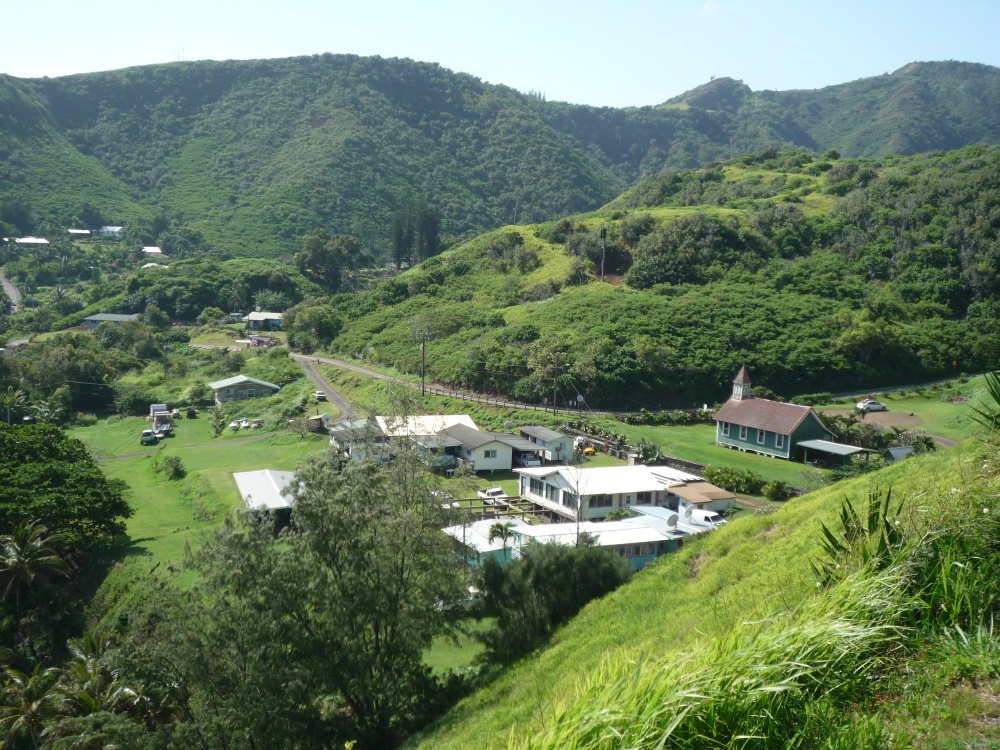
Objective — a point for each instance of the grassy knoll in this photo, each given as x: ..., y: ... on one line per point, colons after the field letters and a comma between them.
x: 446, y: 653
x: 755, y: 567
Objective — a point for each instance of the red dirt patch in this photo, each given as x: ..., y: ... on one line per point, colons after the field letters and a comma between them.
x: 884, y: 418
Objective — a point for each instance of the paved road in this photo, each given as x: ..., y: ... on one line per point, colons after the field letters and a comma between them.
x: 309, y: 366
x: 11, y: 291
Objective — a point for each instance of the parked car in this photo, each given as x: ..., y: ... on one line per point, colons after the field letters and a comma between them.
x: 148, y: 437
x: 491, y: 495
x: 870, y: 404
x: 528, y: 459
x: 319, y: 395
x: 244, y: 423
x: 257, y: 424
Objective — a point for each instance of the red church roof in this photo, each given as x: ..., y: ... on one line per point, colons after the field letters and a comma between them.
x: 764, y: 414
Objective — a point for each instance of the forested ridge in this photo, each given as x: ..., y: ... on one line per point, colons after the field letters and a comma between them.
x: 820, y: 273
x: 255, y: 154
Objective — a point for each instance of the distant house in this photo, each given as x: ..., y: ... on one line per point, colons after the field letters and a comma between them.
x: 92, y: 321
x: 110, y: 232
x: 32, y: 241
x: 241, y: 388
x: 771, y: 428
x: 473, y: 541
x: 78, y: 234
x: 578, y: 493
x: 152, y: 265
x: 488, y: 451
x: 266, y: 321
x: 555, y: 447
x: 267, y: 491
x: 639, y: 540
x: 153, y: 252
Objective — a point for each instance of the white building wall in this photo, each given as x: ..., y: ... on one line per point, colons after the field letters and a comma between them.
x: 502, y: 461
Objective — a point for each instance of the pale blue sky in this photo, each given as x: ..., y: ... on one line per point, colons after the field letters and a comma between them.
x: 630, y: 52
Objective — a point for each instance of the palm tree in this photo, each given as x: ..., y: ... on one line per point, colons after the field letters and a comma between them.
x: 503, y: 532
x: 13, y: 399
x: 27, y: 702
x: 28, y: 560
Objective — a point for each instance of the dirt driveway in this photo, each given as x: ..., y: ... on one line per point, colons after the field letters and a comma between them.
x: 892, y: 419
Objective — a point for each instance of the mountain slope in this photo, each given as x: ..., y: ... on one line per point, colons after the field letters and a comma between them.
x: 256, y: 153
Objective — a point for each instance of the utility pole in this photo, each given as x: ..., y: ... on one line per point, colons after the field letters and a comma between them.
x: 555, y: 384
x: 604, y: 247
x: 423, y: 341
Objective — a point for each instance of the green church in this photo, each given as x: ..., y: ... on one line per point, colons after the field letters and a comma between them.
x: 771, y: 428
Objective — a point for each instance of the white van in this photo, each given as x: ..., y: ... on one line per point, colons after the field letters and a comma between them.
x: 707, y: 517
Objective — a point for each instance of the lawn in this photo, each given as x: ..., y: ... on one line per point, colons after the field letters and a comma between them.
x: 169, y: 514
x: 445, y: 653
x: 697, y: 443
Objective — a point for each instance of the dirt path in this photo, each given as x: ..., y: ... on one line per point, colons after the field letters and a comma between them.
x: 308, y: 364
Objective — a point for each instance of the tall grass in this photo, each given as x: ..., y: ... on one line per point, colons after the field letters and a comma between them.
x: 781, y: 682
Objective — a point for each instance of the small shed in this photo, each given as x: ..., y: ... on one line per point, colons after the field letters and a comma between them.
x: 240, y: 388
x: 267, y: 491
x: 895, y: 455
x: 838, y: 451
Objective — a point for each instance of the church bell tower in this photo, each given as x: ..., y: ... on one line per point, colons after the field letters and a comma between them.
x: 741, y: 385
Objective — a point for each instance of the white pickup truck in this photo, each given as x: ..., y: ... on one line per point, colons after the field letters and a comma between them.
x: 490, y: 496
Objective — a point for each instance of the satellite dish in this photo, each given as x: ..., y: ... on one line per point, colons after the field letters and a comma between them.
x: 257, y: 308
x: 508, y: 425
x: 579, y: 399
x: 672, y: 520
x: 687, y: 512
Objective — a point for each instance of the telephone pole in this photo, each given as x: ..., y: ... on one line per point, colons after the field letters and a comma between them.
x: 423, y: 362
x: 604, y: 247
x: 555, y: 384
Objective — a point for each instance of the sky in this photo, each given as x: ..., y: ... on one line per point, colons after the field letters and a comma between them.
x: 625, y: 53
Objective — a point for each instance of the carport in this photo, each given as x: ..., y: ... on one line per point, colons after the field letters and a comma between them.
x: 841, y: 451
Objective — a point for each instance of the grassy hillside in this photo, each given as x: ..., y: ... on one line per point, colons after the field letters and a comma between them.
x: 680, y: 608
x: 820, y: 274
x: 254, y: 154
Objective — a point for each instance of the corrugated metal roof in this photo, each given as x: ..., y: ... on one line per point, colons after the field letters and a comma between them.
x: 476, y: 535
x: 255, y: 316
x: 826, y: 446
x: 700, y: 493
x: 237, y: 379
x: 112, y: 317
x: 266, y: 489
x: 764, y: 414
x: 611, y: 480
x: 607, y: 533
x: 428, y: 424
x: 541, y: 433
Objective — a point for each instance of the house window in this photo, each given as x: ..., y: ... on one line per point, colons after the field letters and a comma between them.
x: 550, y: 491
x: 229, y: 391
x: 251, y: 393
x: 643, y: 498
x: 725, y: 429
x: 569, y: 499
x: 779, y: 441
x: 743, y: 432
x: 760, y: 437
x: 537, y: 486
x: 599, y: 501
x: 490, y: 454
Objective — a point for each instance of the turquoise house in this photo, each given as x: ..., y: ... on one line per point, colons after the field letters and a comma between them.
x: 771, y: 428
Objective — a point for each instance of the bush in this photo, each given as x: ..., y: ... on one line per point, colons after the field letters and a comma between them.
x: 133, y: 402
x: 173, y: 468
x: 813, y: 399
x: 777, y: 491
x: 743, y: 481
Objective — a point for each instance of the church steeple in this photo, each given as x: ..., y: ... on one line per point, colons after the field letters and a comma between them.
x: 741, y: 385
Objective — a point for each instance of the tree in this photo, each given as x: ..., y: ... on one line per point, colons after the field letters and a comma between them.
x: 326, y: 257
x: 316, y: 637
x: 28, y: 702
x: 217, y: 420
x: 50, y: 478
x: 28, y: 562
x: 212, y: 316
x: 503, y: 532
x: 13, y: 400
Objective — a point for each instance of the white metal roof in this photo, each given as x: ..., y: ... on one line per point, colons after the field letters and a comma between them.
x: 263, y: 315
x: 266, y: 489
x: 827, y: 446
x: 429, y: 424
x: 153, y: 265
x: 31, y: 241
x: 612, y: 480
x: 152, y: 250
x: 237, y: 379
x: 607, y: 533
x: 476, y: 535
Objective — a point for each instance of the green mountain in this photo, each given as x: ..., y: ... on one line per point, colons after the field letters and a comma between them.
x: 254, y: 154
x: 821, y: 274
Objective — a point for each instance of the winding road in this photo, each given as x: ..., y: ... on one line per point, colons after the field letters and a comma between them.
x: 11, y: 291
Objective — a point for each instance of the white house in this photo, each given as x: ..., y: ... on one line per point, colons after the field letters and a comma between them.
x: 264, y: 320
x: 473, y: 540
x: 555, y: 447
x: 488, y: 451
x: 427, y: 424
x: 153, y: 252
x: 113, y: 232
x: 578, y: 493
x: 92, y: 321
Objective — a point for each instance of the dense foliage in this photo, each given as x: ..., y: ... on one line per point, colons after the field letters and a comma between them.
x: 250, y: 156
x: 820, y: 274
